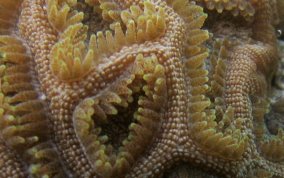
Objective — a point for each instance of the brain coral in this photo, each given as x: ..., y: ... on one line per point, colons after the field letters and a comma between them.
x: 141, y: 88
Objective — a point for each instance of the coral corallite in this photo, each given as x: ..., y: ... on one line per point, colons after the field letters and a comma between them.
x: 140, y: 89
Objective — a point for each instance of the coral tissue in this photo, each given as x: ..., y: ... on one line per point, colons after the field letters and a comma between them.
x: 141, y: 89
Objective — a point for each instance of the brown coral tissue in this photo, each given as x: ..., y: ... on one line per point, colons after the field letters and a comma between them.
x: 141, y: 89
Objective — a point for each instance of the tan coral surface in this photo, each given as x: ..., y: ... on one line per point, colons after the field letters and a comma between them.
x: 140, y: 89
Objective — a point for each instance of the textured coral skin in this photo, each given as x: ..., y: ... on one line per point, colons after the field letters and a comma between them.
x: 140, y: 88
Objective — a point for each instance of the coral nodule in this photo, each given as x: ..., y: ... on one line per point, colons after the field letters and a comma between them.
x: 141, y: 89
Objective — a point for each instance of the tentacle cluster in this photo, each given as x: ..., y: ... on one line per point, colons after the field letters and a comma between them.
x: 60, y: 14
x: 23, y: 115
x: 117, y: 105
x: 213, y: 128
x: 72, y: 60
x: 111, y: 88
x: 270, y: 145
x: 245, y: 8
x: 111, y: 10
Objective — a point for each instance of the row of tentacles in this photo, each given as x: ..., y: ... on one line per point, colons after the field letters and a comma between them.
x: 236, y: 7
x: 134, y: 99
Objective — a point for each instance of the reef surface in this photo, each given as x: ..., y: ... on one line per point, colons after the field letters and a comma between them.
x: 141, y: 88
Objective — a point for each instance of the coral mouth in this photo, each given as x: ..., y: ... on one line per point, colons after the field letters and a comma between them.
x: 118, y: 124
x: 116, y: 129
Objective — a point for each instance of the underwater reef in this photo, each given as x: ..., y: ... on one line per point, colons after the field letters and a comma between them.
x: 141, y: 88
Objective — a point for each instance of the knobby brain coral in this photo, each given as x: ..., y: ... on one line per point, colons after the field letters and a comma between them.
x: 140, y: 88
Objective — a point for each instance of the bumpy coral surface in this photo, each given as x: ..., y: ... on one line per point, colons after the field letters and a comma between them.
x: 141, y: 89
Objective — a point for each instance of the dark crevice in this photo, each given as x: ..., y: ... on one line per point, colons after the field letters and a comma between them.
x: 92, y: 17
x: 274, y: 121
x: 117, y: 126
x: 184, y: 170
